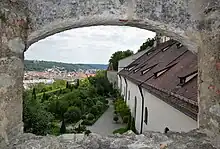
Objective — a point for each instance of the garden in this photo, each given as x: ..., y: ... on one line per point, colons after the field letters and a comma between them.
x: 122, y: 112
x: 64, y: 107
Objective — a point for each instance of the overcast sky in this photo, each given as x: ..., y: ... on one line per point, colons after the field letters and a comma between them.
x: 93, y: 45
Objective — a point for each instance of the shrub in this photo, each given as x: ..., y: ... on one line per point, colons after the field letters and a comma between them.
x: 87, y: 132
x: 115, y: 119
x: 87, y: 122
x: 120, y: 130
x: 115, y: 112
x: 90, y: 116
x: 94, y: 110
x: 106, y: 101
x: 84, y: 117
x: 125, y: 119
x: 73, y: 114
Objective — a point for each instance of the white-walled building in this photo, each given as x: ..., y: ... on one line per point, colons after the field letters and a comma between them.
x: 160, y: 87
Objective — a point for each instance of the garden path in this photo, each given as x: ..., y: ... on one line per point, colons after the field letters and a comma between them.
x: 105, y: 124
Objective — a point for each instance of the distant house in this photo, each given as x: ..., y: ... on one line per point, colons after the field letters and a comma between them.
x: 160, y: 87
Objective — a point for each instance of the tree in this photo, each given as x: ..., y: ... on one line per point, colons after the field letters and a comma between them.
x: 34, y: 96
x: 146, y: 44
x: 118, y: 56
x: 67, y: 84
x: 63, y: 127
x: 36, y: 119
x: 44, y: 97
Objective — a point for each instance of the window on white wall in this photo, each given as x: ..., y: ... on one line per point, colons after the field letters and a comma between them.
x: 146, y: 116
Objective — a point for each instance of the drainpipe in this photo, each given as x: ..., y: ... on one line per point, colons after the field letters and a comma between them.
x: 126, y: 90
x: 142, y: 108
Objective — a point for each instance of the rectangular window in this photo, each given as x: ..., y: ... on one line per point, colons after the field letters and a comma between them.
x: 146, y: 116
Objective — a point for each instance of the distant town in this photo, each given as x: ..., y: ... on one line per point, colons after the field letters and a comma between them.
x: 47, y: 72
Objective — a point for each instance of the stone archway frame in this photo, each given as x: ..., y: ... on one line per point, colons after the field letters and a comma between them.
x: 194, y: 23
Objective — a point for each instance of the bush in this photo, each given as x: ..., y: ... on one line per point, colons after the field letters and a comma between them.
x: 115, y: 112
x: 125, y: 119
x: 73, y: 114
x: 84, y: 117
x: 94, y: 110
x: 115, y: 119
x: 120, y: 130
x: 90, y: 116
x: 106, y: 101
x: 87, y: 122
x: 87, y: 132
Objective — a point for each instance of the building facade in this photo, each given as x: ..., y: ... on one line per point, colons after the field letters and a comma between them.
x: 160, y: 88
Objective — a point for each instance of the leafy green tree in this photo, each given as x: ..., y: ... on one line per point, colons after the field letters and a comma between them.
x: 73, y: 114
x: 36, y: 119
x: 149, y: 43
x: 118, y: 56
x: 63, y: 128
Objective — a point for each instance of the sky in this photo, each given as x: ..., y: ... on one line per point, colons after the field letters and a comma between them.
x: 88, y: 45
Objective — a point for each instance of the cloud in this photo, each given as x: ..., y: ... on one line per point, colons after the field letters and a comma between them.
x: 88, y: 44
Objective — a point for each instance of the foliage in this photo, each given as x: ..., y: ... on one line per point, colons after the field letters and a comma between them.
x: 63, y: 128
x: 73, y: 114
x: 121, y: 108
x: 120, y: 130
x: 125, y: 119
x: 87, y: 132
x: 115, y: 118
x: 36, y: 119
x: 118, y: 56
x: 90, y: 116
x: 94, y: 110
x: 31, y: 65
x: 87, y: 122
x: 55, y: 103
x: 148, y: 43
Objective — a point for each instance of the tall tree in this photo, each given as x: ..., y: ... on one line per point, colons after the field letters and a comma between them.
x: 34, y: 96
x: 118, y: 56
x: 63, y: 127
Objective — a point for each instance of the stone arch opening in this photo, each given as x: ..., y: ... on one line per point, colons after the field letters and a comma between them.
x: 193, y: 23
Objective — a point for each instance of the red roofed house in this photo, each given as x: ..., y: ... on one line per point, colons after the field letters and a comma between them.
x: 160, y: 87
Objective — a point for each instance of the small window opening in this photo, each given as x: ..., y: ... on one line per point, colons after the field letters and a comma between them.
x: 179, y: 45
x: 164, y: 49
x: 147, y: 69
x: 187, y: 78
x: 159, y: 73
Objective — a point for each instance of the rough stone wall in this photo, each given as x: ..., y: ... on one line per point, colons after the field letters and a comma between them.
x: 170, y: 17
x: 13, y: 35
x: 148, y: 140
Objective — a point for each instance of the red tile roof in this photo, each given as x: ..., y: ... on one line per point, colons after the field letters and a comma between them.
x: 186, y: 63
